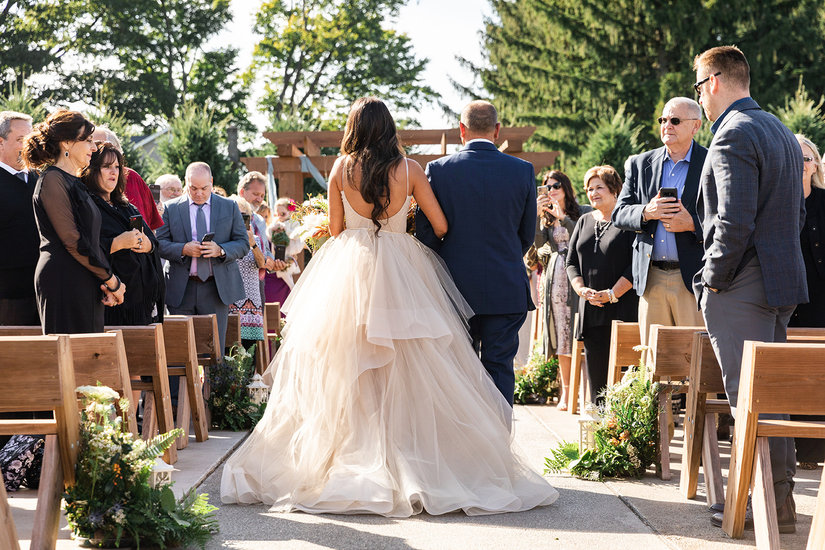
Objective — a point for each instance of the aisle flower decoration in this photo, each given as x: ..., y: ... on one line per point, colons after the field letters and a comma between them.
x: 411, y: 217
x: 112, y: 502
x: 626, y: 438
x: 230, y: 404
x: 536, y: 382
x: 313, y: 217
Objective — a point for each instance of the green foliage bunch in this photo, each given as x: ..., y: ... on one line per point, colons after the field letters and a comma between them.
x: 104, y: 114
x: 196, y: 134
x: 626, y: 438
x: 802, y: 115
x: 21, y: 100
x: 229, y: 401
x: 536, y: 381
x: 111, y: 502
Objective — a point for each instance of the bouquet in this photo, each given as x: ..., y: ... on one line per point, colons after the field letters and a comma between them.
x: 411, y: 217
x: 313, y: 217
x: 112, y: 502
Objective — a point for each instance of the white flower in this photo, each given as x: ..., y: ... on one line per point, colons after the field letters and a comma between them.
x: 98, y: 393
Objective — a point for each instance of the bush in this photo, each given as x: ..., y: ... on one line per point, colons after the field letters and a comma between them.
x: 536, y: 382
x: 229, y: 401
x: 804, y: 116
x: 21, y: 100
x: 135, y: 158
x: 195, y: 136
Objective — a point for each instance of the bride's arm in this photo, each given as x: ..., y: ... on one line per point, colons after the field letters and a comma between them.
x: 336, y: 205
x: 424, y: 196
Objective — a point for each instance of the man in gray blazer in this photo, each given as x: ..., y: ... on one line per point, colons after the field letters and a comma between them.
x: 667, y: 252
x: 202, y: 277
x: 752, y: 211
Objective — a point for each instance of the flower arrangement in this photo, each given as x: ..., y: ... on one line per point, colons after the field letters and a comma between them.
x: 536, y: 382
x: 313, y: 217
x: 278, y: 234
x: 229, y: 402
x: 112, y: 502
x: 625, y: 440
x: 411, y: 217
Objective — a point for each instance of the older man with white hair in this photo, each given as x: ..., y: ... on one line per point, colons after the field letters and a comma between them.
x: 170, y: 187
x: 658, y: 202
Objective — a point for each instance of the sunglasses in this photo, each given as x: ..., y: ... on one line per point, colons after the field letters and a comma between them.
x: 676, y: 121
x: 556, y: 185
x: 699, y: 84
x: 808, y: 159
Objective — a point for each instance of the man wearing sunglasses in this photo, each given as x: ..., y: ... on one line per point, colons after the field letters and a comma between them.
x: 752, y: 210
x: 668, y: 248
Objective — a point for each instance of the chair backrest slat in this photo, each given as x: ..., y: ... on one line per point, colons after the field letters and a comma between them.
x: 144, y: 348
x: 207, y: 338
x: 179, y: 340
x: 623, y: 337
x: 786, y: 378
x: 272, y: 312
x: 671, y: 349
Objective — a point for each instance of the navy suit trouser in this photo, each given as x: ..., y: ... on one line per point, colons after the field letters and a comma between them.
x: 495, y: 339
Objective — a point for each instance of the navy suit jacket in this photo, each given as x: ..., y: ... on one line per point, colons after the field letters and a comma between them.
x: 226, y: 222
x: 751, y: 202
x: 489, y: 199
x: 643, y: 179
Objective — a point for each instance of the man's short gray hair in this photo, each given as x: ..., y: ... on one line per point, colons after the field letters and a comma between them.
x: 167, y: 178
x: 249, y: 177
x: 197, y: 167
x: 695, y: 110
x: 480, y: 117
x: 111, y: 137
x: 7, y: 117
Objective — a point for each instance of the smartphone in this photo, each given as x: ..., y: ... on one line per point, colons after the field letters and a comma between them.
x: 136, y: 222
x: 280, y: 252
x: 669, y: 192
x: 247, y: 220
x: 155, y: 189
x: 208, y: 237
x: 543, y: 189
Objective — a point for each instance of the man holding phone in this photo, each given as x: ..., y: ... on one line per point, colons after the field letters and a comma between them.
x: 202, y: 237
x: 658, y: 202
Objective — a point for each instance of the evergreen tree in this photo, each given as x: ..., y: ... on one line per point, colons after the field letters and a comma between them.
x: 20, y: 99
x: 197, y: 135
x: 804, y: 116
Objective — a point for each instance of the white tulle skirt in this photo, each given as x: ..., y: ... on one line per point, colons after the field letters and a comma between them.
x: 379, y: 404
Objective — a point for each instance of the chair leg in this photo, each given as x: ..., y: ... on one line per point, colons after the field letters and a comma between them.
x: 711, y: 465
x: 47, y: 514
x: 8, y: 532
x: 184, y: 414
x: 150, y: 418
x: 664, y: 444
x: 195, y: 404
x: 816, y: 539
x: 575, y: 378
x: 764, y: 501
x: 740, y: 473
x: 163, y: 412
x: 693, y: 442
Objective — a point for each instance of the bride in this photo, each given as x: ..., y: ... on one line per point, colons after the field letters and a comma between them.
x: 379, y: 403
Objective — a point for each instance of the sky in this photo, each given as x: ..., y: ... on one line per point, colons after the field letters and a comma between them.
x: 439, y: 30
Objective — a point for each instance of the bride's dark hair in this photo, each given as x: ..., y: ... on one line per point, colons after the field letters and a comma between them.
x: 370, y: 138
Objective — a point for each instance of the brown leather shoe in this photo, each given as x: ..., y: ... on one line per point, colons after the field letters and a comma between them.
x: 786, y: 515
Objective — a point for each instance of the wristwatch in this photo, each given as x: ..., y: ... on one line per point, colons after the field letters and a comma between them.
x: 223, y: 253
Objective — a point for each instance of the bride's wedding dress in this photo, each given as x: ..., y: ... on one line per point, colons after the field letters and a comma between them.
x: 379, y: 403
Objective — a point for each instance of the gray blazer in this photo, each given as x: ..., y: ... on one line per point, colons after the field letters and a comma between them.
x: 751, y: 203
x: 643, y: 179
x: 226, y: 222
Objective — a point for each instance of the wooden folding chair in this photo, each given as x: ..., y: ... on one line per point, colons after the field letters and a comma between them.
x: 272, y: 314
x: 775, y: 378
x: 262, y: 355
x: 233, y: 331
x: 577, y: 376
x: 669, y: 362
x: 816, y: 538
x: 146, y: 356
x: 182, y: 361
x: 21, y: 330
x: 38, y: 375
x: 623, y: 338
x: 8, y: 531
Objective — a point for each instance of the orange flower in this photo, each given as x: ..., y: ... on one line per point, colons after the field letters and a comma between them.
x: 614, y: 442
x: 625, y: 435
x: 612, y: 424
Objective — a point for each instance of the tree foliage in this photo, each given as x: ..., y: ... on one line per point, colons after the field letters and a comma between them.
x: 197, y: 135
x: 320, y: 55
x: 803, y: 115
x: 21, y: 99
x: 561, y: 64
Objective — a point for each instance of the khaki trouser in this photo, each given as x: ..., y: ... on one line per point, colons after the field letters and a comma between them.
x: 667, y: 302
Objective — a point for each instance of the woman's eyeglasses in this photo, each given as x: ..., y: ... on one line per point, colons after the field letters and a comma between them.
x: 555, y: 185
x: 676, y: 121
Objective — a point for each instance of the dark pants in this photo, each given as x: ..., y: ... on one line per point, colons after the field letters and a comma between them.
x: 741, y: 313
x: 495, y: 339
x: 19, y: 312
x: 597, y: 356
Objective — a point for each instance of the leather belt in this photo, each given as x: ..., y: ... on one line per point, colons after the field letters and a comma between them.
x: 667, y: 266
x: 196, y: 278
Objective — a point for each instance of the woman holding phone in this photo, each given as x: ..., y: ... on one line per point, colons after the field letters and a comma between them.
x: 125, y: 236
x: 558, y: 213
x: 252, y: 267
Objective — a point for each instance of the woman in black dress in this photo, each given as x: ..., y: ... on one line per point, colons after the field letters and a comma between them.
x: 133, y: 253
x: 600, y: 271
x: 73, y: 279
x: 809, y: 452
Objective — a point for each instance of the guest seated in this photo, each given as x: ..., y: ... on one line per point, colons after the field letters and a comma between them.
x: 599, y: 266
x: 133, y: 253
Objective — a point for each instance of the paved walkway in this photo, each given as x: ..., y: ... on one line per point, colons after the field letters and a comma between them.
x: 627, y: 514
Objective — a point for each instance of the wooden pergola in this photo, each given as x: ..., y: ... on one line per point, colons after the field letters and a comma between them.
x: 290, y: 168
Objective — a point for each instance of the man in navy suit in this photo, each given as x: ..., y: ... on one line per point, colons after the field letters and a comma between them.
x: 202, y: 277
x: 489, y: 199
x: 668, y: 250
x: 752, y: 211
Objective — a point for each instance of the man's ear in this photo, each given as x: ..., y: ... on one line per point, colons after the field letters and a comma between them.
x: 462, y: 130
x: 495, y: 133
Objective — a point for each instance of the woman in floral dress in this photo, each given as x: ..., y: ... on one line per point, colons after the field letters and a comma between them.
x: 250, y: 307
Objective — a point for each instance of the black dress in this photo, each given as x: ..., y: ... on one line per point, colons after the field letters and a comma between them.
x: 812, y: 314
x: 600, y: 265
x: 72, y: 265
x: 140, y: 272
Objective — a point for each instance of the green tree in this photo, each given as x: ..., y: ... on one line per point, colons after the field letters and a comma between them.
x: 103, y: 114
x: 803, y: 115
x: 20, y: 99
x: 320, y: 55
x: 146, y: 59
x: 197, y: 135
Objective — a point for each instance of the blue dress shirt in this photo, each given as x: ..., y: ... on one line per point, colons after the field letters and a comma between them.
x: 673, y: 175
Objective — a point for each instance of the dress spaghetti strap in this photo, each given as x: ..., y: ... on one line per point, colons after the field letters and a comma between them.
x: 407, y: 166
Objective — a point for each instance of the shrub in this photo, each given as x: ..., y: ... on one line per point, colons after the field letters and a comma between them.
x: 229, y: 401
x: 536, y: 382
x: 802, y: 115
